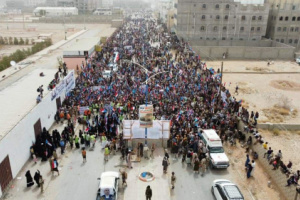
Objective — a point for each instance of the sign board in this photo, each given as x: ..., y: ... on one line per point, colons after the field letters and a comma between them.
x: 146, y: 116
x: 66, y: 85
x: 132, y: 130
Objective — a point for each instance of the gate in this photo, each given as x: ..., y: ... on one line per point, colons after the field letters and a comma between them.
x: 37, y: 128
x: 5, y: 173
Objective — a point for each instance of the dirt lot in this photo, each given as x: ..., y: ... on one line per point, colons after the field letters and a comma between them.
x: 275, y: 96
x: 57, y: 30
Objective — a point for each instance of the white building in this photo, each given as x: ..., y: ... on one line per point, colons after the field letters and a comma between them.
x: 55, y: 11
x: 163, y: 7
x: 33, y: 3
x: 22, y: 120
x: 107, y: 3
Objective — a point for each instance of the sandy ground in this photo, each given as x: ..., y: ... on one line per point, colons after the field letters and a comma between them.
x: 275, y: 96
x: 57, y: 30
x: 257, y: 185
x: 6, y: 50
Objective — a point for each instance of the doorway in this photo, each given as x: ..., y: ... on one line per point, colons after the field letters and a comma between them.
x: 37, y: 128
x: 5, y: 173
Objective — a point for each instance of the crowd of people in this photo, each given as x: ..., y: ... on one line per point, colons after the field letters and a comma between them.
x: 156, y: 66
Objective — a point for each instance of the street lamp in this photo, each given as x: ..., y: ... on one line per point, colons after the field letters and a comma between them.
x: 147, y: 79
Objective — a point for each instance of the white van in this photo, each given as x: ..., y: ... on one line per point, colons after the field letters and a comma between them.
x: 217, y: 156
x: 108, y: 186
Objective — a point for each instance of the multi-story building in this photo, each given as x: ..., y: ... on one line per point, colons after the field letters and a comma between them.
x: 34, y: 3
x: 164, y: 6
x: 221, y: 20
x: 284, y: 22
x: 86, y: 6
x: 65, y: 3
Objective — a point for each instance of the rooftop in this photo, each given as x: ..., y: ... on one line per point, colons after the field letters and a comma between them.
x: 17, y: 100
x: 84, y: 44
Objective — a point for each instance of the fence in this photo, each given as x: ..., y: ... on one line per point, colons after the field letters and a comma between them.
x: 277, y: 177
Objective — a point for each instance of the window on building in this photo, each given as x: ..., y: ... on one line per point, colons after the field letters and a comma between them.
x: 252, y: 28
x: 290, y: 41
x: 298, y: 18
x: 260, y: 18
x: 282, y: 40
x: 286, y: 18
x: 253, y: 39
x: 195, y: 5
x: 277, y: 40
x: 207, y: 38
x: 227, y: 6
x: 224, y: 28
x: 204, y: 6
x: 242, y: 28
x: 253, y: 18
x: 284, y: 29
x: 258, y: 28
x: 217, y: 6
x: 296, y: 29
x: 201, y: 38
x: 193, y: 27
x: 292, y: 29
x: 231, y: 38
x: 226, y: 17
x: 202, y: 28
x: 215, y: 28
x: 223, y: 38
x: 214, y: 38
x: 294, y: 19
x: 296, y: 41
x: 274, y: 18
x: 203, y: 17
x: 241, y: 39
x: 278, y: 29
x: 243, y: 17
x: 218, y: 17
x: 280, y: 18
x: 294, y: 7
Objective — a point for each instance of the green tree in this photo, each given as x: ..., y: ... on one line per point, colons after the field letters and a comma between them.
x: 5, y: 40
x: 1, y: 40
x: 21, y: 41
x: 32, y: 41
x: 16, y: 42
x: 27, y: 41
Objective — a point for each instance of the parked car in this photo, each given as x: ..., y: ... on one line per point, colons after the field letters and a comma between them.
x: 108, y: 186
x: 223, y: 189
x: 298, y: 60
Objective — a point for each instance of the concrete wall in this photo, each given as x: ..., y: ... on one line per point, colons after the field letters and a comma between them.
x: 270, y: 127
x: 17, y: 142
x: 277, y: 177
x: 245, y: 52
x: 73, y: 62
x: 158, y: 142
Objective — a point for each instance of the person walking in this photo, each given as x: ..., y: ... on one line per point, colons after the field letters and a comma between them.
x: 37, y: 177
x: 203, y: 166
x: 106, y: 153
x: 41, y: 183
x: 124, y: 177
x: 196, y: 165
x: 148, y: 193
x: 62, y: 147
x: 83, y: 152
x: 173, y: 179
x: 253, y: 167
x: 165, y: 164
x: 249, y: 170
x: 71, y: 141
x: 55, y: 166
x: 29, y: 179
x: 77, y: 142
x: 152, y: 151
x: 129, y: 160
x: 247, y: 161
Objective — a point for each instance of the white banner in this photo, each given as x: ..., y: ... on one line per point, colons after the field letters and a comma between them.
x: 160, y: 129
x: 66, y: 85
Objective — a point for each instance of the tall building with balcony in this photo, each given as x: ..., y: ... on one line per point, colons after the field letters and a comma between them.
x: 221, y: 20
x: 284, y: 22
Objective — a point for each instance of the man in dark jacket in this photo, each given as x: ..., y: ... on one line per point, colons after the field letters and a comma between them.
x: 148, y: 193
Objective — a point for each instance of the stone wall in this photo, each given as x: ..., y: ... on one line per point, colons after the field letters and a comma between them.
x: 277, y: 177
x: 270, y: 127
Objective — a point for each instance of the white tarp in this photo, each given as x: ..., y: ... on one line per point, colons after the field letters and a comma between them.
x: 160, y: 129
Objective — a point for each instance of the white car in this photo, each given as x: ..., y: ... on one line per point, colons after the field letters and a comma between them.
x: 108, y: 186
x: 298, y: 60
x: 223, y: 189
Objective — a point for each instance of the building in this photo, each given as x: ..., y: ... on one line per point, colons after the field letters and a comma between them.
x: 34, y: 3
x: 284, y: 22
x: 87, y: 6
x: 65, y: 3
x: 164, y: 6
x: 226, y: 20
x: 76, y: 54
x: 55, y: 11
x: 22, y: 119
x: 15, y: 4
x: 107, y: 3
